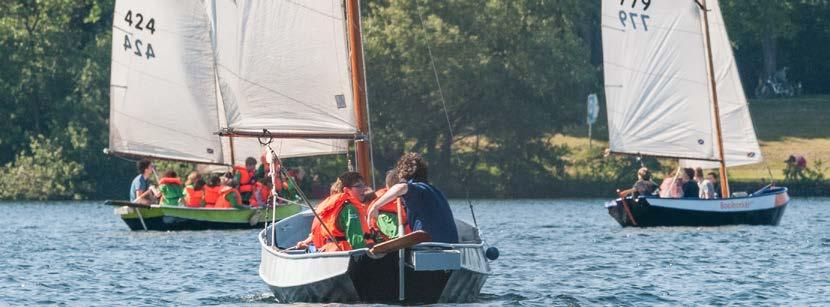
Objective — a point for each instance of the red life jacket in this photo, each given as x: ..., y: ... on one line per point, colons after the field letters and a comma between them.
x: 245, y: 176
x: 192, y: 197
x: 211, y: 195
x: 329, y: 211
x: 170, y: 180
x: 222, y: 201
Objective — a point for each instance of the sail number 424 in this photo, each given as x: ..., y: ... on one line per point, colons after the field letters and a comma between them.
x: 138, y: 22
x: 632, y: 19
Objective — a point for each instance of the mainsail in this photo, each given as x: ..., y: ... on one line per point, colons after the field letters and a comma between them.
x: 657, y: 86
x: 161, y: 90
x: 283, y: 66
x: 182, y: 71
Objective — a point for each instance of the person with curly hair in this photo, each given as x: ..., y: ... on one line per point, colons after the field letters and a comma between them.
x: 427, y: 208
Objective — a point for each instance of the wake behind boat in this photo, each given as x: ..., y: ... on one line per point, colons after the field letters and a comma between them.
x: 673, y: 91
x: 434, y: 272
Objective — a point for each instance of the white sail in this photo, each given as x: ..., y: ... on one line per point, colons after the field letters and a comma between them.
x: 739, y: 139
x: 283, y: 66
x: 162, y: 101
x: 656, y: 81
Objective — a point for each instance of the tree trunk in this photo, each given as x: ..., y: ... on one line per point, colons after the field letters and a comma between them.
x: 768, y: 45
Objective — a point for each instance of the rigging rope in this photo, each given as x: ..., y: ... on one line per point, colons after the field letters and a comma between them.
x: 444, y: 104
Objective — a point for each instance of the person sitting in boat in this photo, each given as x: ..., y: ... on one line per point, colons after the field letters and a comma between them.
x: 171, y: 189
x: 385, y: 227
x: 426, y: 207
x: 262, y: 192
x: 229, y: 196
x: 245, y: 177
x: 644, y: 186
x: 672, y: 186
x: 194, y: 194
x: 711, y: 183
x: 690, y: 188
x: 342, y: 213
x: 212, y: 188
x: 706, y: 190
x: 141, y: 191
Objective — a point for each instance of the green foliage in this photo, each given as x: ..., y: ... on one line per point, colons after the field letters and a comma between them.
x: 43, y: 173
x: 512, y: 73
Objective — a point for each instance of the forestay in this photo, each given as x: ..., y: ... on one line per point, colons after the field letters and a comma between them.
x: 283, y: 66
x: 739, y: 139
x: 161, y: 93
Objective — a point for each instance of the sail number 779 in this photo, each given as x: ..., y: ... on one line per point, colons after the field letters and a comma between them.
x: 631, y: 19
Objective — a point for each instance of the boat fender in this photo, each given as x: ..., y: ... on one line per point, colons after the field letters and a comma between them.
x: 492, y: 253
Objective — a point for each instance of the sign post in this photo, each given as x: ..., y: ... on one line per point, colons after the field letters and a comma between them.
x: 593, y: 111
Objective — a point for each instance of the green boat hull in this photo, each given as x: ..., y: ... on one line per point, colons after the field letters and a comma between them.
x: 165, y: 218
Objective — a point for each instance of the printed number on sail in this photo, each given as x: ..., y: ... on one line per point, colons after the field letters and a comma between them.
x: 631, y: 19
x: 138, y: 47
x: 139, y: 22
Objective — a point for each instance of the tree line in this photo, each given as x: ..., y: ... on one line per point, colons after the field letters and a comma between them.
x: 505, y: 75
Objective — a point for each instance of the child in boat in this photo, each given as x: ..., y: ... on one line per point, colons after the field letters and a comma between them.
x: 229, y: 196
x: 194, y: 194
x: 426, y: 207
x: 171, y: 189
x: 261, y: 194
x: 385, y: 227
x: 343, y: 213
x: 212, y: 191
x: 246, y: 178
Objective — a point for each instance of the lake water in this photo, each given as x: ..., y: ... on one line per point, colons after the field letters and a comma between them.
x: 553, y: 252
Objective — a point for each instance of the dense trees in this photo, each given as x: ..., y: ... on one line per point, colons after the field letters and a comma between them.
x: 511, y: 73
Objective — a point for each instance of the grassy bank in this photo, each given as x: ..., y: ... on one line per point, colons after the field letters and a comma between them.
x: 793, y: 126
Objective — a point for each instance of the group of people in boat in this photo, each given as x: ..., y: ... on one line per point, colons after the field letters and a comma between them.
x: 354, y: 216
x: 682, y: 183
x: 248, y: 186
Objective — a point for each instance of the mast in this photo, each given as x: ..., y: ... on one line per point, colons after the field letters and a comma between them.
x: 723, y: 178
x: 364, y: 165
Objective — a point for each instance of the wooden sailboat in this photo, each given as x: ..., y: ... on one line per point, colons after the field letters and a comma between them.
x: 165, y: 104
x: 673, y: 91
x: 299, y: 54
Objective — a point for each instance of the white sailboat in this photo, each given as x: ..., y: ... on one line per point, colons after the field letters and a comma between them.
x: 673, y: 91
x: 277, y: 58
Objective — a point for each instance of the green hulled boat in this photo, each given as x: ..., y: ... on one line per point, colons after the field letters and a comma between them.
x: 158, y: 217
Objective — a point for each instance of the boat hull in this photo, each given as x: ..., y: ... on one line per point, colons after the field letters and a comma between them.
x: 355, y: 276
x: 765, y: 208
x: 164, y: 218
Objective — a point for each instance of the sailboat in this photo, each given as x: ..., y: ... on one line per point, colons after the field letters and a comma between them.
x: 276, y: 58
x: 165, y: 104
x: 673, y: 91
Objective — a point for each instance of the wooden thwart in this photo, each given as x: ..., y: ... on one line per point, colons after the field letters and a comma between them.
x: 408, y: 240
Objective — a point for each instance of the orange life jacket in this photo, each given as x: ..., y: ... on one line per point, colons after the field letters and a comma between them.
x: 192, y: 197
x: 329, y: 211
x: 211, y: 195
x: 222, y: 201
x: 264, y: 192
x: 244, y: 179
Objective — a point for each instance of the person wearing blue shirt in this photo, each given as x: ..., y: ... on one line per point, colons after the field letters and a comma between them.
x: 140, y: 190
x: 427, y: 208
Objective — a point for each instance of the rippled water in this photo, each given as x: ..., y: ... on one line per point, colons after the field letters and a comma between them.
x: 553, y: 252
